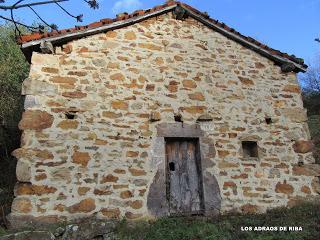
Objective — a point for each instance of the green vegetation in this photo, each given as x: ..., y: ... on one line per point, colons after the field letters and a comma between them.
x: 314, y: 126
x: 13, y: 70
x: 228, y: 227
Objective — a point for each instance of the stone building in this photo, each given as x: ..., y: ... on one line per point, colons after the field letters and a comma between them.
x: 159, y: 112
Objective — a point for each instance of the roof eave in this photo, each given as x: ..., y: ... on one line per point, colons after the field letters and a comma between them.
x: 93, y: 31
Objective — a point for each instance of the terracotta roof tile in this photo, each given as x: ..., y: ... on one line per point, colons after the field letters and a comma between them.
x: 124, y: 16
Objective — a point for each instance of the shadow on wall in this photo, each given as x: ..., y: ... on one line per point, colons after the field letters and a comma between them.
x: 9, y: 140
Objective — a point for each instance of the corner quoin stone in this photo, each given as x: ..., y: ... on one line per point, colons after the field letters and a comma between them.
x: 35, y: 120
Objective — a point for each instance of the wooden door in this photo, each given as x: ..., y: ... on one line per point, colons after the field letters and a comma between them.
x: 184, y: 181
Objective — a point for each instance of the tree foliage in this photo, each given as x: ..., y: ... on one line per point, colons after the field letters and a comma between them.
x: 13, y: 70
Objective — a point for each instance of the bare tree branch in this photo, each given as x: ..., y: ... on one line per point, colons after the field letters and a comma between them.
x: 15, y: 6
x: 15, y: 24
x: 78, y: 18
x: 18, y: 23
x: 41, y: 19
x: 18, y: 4
x: 311, y: 78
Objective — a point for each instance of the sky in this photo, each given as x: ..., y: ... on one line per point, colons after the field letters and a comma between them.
x: 286, y: 25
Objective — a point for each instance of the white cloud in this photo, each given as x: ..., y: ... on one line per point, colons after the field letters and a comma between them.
x: 126, y: 6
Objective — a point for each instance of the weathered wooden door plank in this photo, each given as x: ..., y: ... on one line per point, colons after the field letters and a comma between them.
x: 184, y: 183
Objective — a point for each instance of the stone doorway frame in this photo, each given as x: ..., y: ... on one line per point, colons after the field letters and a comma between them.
x: 157, y: 202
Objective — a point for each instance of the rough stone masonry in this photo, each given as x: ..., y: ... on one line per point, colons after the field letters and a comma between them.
x: 97, y: 112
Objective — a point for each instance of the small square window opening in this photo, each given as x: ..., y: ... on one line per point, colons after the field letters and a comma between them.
x: 268, y: 121
x: 250, y: 149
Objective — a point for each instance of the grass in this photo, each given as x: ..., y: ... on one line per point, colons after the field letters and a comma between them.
x: 228, y: 227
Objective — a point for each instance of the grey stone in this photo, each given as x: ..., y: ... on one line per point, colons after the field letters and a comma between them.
x: 23, y: 171
x: 34, y: 86
x: 297, y: 115
x: 59, y: 232
x: 89, y: 229
x: 30, y: 102
x: 274, y: 173
x: 140, y: 182
x: 179, y: 130
x: 99, y: 62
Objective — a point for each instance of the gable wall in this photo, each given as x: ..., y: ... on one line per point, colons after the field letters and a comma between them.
x: 101, y: 162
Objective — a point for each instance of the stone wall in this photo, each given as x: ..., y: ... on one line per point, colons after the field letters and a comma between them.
x: 92, y: 111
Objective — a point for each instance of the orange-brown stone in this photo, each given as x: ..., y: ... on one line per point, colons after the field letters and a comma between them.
x: 130, y: 215
x: 35, y: 120
x: 223, y: 153
x: 120, y: 186
x: 259, y: 65
x: 178, y: 58
x: 292, y: 88
x: 126, y: 194
x: 81, y: 158
x: 111, y: 114
x: 21, y: 205
x: 75, y: 94
x: 64, y: 80
x: 229, y: 184
x: 302, y: 146
x: 122, y: 105
x: 197, y: 96
x: 120, y: 171
x: 150, y: 46
x: 111, y: 212
x: 109, y: 178
x: 68, y: 124
x: 306, y: 170
x: 241, y: 176
x: 249, y: 209
x: 130, y: 35
x: 150, y: 87
x: 306, y: 190
x: 224, y: 164
x: 132, y: 154
x: 137, y: 172
x: 101, y: 192
x: 29, y: 189
x: 83, y: 190
x: 246, y: 81
x: 113, y: 65
x: 84, y: 206
x: 284, y: 188
x: 117, y: 77
x: 40, y: 177
x: 50, y: 70
x: 111, y: 34
x: 194, y: 109
x: 135, y: 204
x: 189, y: 84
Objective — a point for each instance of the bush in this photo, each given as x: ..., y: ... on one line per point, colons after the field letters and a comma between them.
x: 13, y: 70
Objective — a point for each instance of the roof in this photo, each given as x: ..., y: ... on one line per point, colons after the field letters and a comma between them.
x: 31, y: 42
